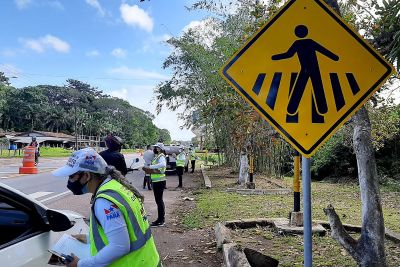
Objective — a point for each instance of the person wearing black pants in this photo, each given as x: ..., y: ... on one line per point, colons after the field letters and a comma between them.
x: 148, y: 156
x: 180, y: 163
x: 158, y: 178
x: 158, y: 189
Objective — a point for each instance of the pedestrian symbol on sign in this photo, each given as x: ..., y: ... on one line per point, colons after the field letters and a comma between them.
x: 306, y: 50
x: 296, y: 74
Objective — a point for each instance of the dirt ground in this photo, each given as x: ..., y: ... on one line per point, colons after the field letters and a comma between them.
x: 177, y: 245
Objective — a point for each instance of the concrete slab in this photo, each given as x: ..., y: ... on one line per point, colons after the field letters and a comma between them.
x: 244, y: 191
x: 282, y: 224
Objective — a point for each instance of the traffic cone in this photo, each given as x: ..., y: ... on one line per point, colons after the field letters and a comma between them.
x: 28, y: 163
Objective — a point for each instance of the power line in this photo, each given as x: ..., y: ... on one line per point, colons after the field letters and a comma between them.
x: 94, y: 78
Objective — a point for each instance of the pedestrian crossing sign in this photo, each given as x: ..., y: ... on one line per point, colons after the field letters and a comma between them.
x: 306, y: 72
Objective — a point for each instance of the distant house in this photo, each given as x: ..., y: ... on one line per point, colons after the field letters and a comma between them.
x: 43, y: 138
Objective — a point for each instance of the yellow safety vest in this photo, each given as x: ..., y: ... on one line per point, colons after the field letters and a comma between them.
x: 192, y: 156
x: 158, y: 177
x: 180, y: 160
x: 143, y: 251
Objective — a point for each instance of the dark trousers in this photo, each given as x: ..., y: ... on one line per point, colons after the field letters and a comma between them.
x: 193, y: 162
x: 179, y: 171
x: 147, y: 180
x: 158, y: 189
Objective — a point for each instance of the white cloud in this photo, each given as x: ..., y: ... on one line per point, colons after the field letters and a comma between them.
x: 8, y: 53
x: 138, y: 74
x: 21, y: 4
x: 96, y: 5
x: 40, y: 45
x: 152, y: 44
x: 207, y: 30
x: 118, y: 52
x: 56, y: 5
x: 135, y: 16
x: 93, y: 53
x: 10, y: 70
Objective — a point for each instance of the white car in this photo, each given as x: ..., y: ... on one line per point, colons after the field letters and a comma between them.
x: 28, y: 228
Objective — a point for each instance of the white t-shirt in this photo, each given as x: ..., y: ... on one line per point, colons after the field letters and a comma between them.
x: 148, y: 156
x: 113, y: 223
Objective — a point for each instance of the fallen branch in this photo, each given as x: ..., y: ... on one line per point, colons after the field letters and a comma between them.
x: 339, y: 233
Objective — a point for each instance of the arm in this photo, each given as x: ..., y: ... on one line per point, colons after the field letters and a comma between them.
x: 161, y: 164
x: 117, y: 235
x: 290, y: 53
x: 123, y: 168
x: 325, y: 51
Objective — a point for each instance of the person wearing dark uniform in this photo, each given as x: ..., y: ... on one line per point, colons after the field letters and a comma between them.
x: 113, y: 155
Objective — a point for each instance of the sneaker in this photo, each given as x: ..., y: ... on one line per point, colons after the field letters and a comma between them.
x: 157, y: 224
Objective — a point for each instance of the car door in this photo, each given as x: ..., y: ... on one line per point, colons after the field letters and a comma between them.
x: 29, y: 229
x: 22, y: 226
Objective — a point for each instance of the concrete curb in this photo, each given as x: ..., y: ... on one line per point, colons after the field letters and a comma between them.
x: 222, y: 234
x: 207, y: 181
x: 233, y: 256
x: 259, y: 191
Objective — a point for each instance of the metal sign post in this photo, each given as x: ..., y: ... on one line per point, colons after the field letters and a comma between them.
x: 306, y: 172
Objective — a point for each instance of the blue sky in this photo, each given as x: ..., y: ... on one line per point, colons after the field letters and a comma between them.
x: 113, y: 45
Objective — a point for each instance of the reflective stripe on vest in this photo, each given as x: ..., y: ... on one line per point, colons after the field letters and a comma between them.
x: 158, y: 177
x: 180, y: 161
x: 141, y: 238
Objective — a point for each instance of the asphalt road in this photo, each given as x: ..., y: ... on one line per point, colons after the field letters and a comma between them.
x: 50, y: 190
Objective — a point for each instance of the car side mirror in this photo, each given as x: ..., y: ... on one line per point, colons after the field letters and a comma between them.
x: 137, y: 160
x: 58, y: 221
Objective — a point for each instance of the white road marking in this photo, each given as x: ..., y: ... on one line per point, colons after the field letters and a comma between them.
x: 56, y: 196
x: 39, y: 194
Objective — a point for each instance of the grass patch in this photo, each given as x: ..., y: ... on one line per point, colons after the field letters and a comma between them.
x: 289, y: 249
x: 49, y: 152
x: 217, y: 205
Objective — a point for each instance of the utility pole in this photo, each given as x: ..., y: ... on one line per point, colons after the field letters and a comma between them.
x: 76, y: 129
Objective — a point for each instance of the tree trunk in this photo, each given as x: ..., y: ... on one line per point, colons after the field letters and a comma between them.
x: 369, y: 249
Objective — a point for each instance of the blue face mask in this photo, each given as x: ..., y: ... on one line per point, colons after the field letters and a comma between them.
x: 77, y: 188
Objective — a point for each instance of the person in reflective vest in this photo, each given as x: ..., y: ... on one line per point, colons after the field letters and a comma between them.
x: 119, y: 232
x: 158, y: 179
x: 180, y: 164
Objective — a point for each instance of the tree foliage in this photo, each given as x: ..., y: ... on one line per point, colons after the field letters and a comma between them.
x: 73, y: 108
x: 225, y: 120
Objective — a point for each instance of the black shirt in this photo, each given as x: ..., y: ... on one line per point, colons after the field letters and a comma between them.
x: 116, y: 159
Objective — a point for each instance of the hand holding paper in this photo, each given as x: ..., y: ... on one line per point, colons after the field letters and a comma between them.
x: 150, y: 171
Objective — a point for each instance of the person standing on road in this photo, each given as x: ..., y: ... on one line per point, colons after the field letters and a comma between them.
x: 148, y: 157
x: 180, y: 164
x: 119, y: 232
x: 113, y: 155
x: 35, y: 144
x: 157, y: 175
x: 192, y: 158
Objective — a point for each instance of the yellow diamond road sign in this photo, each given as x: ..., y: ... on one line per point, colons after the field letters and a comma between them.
x: 306, y: 72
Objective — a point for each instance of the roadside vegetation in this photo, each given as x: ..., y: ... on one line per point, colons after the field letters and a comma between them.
x: 75, y: 108
x: 216, y: 205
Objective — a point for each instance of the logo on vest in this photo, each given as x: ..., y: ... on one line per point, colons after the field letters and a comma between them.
x: 112, y: 212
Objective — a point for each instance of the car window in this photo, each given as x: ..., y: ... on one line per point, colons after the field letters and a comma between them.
x: 15, y: 223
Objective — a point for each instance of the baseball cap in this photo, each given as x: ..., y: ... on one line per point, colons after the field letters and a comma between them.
x: 84, y: 160
x: 160, y: 145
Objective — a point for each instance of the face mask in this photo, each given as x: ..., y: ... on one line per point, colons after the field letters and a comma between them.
x: 77, y: 188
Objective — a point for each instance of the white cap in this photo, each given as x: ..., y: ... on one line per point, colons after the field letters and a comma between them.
x: 160, y: 145
x: 84, y: 160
